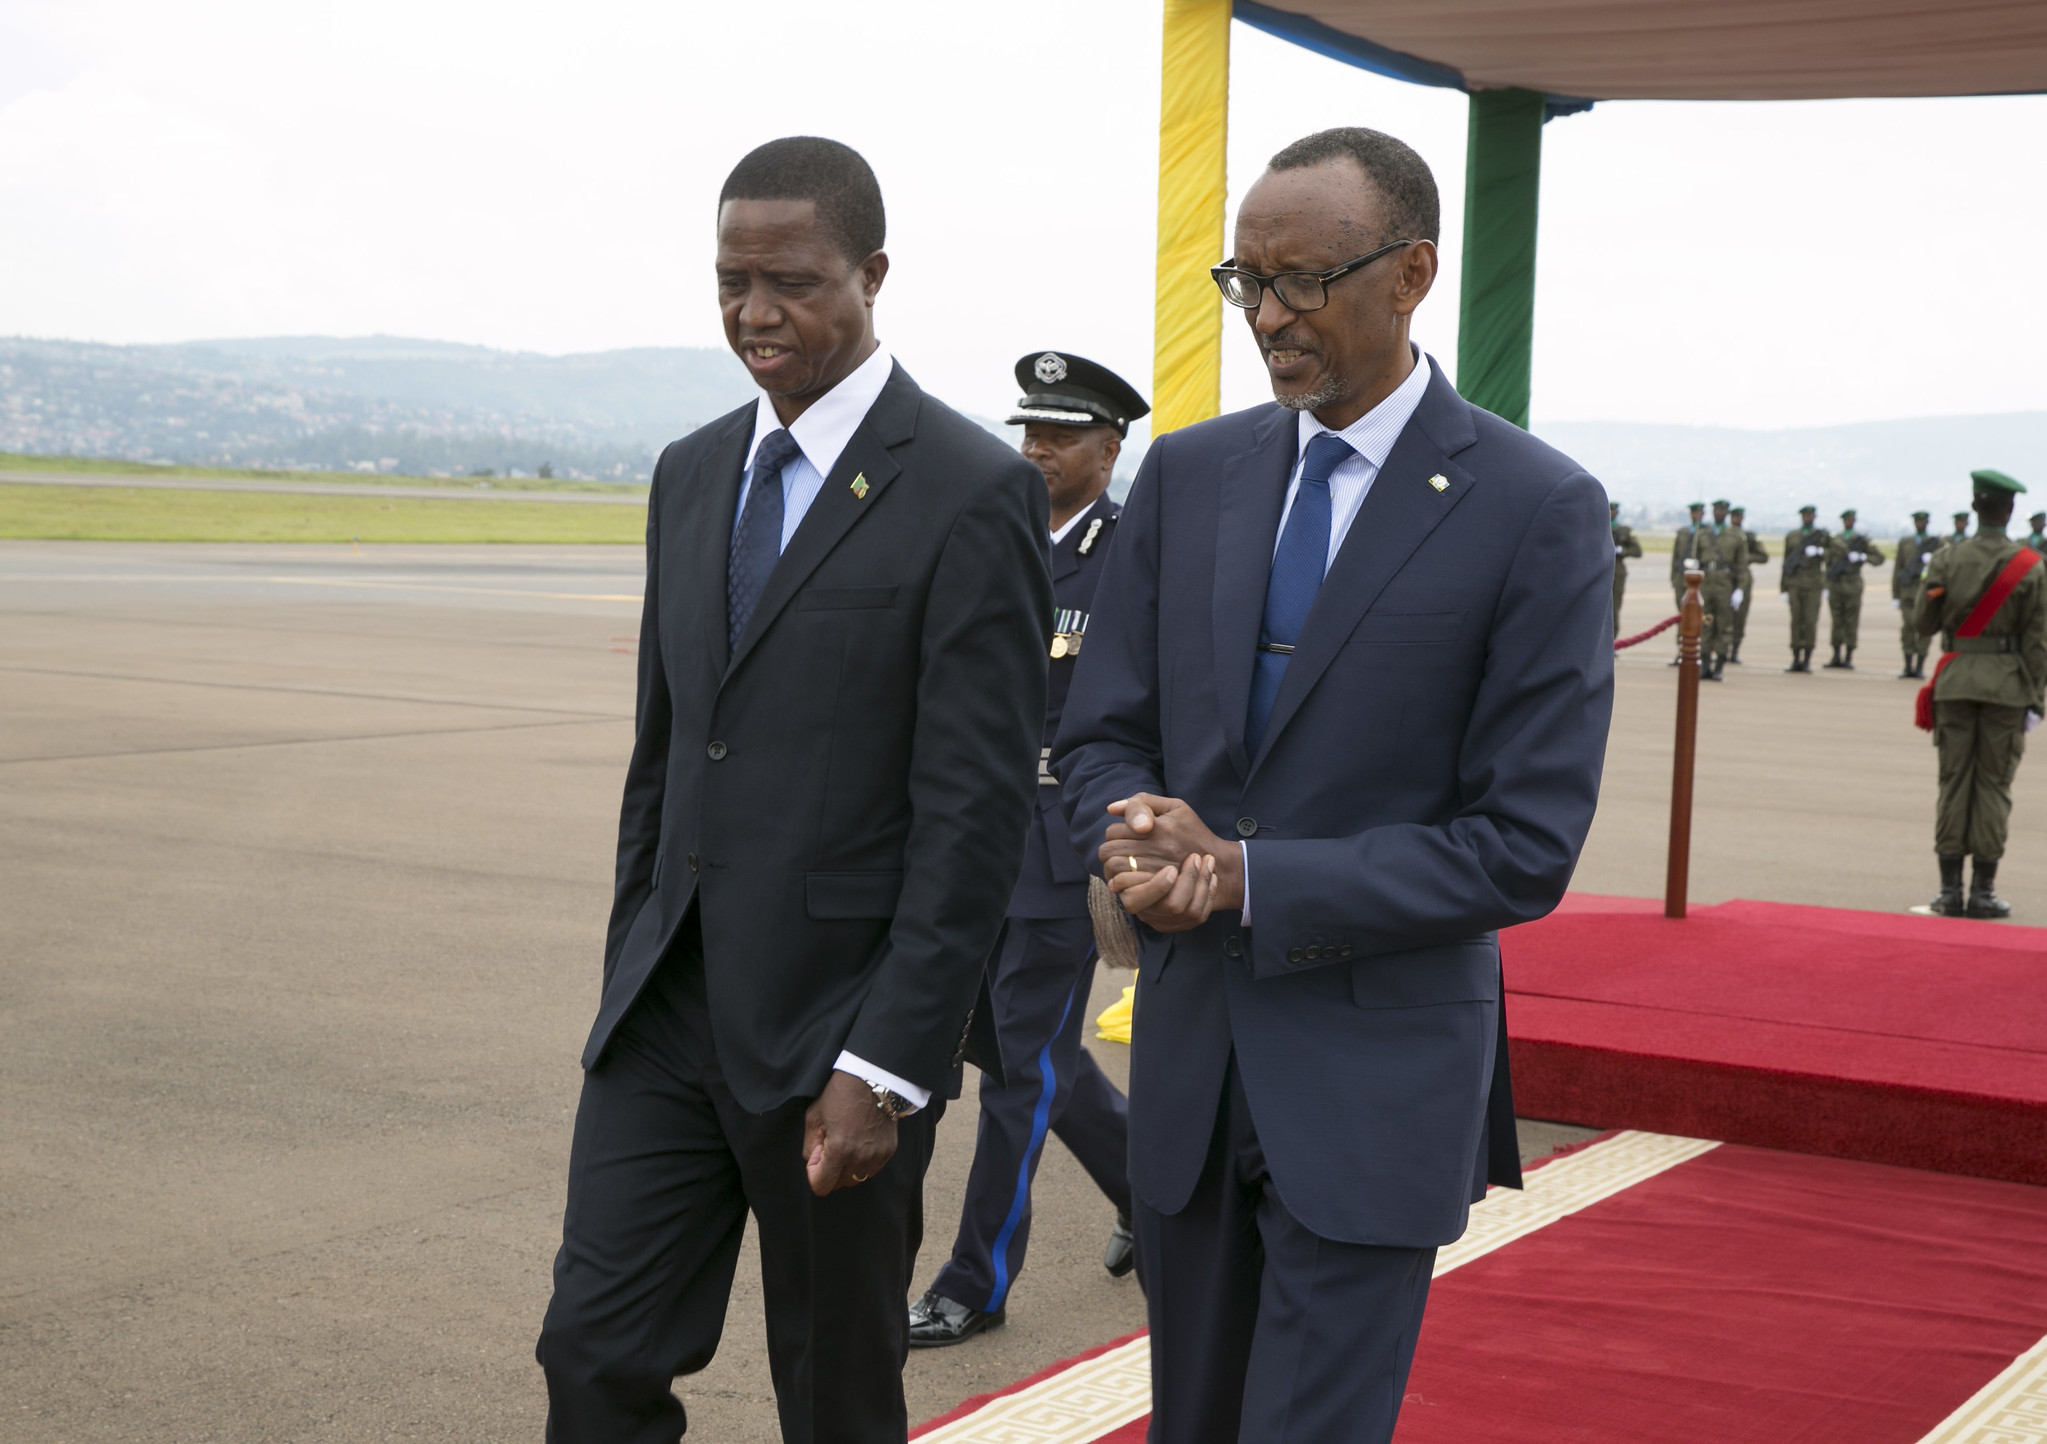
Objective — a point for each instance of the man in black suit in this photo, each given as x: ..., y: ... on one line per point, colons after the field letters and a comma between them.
x: 1340, y: 718
x: 1075, y: 414
x: 841, y: 685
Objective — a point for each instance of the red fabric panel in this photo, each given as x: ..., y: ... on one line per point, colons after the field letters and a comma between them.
x: 1910, y: 1040
x: 1745, y: 1295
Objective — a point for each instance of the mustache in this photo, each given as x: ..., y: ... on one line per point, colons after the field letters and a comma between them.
x: 1287, y: 340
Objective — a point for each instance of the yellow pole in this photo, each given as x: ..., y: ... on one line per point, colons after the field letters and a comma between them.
x: 1194, y: 105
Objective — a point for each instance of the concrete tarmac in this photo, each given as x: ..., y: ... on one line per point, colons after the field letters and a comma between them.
x: 305, y: 857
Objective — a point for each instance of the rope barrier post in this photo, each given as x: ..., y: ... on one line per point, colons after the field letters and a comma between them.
x: 1691, y: 619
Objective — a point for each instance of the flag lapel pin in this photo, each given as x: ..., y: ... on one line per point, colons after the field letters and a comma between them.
x: 860, y: 486
x: 1440, y: 482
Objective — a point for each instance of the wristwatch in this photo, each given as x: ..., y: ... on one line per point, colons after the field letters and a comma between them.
x: 894, y: 1104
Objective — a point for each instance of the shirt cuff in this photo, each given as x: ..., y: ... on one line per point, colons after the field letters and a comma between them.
x: 867, y: 1073
x: 1245, y: 920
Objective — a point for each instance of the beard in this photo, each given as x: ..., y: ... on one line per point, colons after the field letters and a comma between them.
x: 1326, y: 392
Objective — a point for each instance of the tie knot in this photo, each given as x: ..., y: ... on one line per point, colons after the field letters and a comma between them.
x: 777, y: 450
x: 1325, y: 453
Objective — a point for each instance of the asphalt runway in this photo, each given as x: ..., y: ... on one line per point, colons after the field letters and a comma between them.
x: 304, y: 862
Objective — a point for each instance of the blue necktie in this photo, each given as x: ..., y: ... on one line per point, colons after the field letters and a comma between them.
x: 757, y: 540
x: 1297, y: 567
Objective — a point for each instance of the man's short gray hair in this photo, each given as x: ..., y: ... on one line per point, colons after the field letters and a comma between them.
x: 1414, y: 212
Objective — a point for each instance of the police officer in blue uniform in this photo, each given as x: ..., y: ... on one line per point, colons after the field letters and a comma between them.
x: 1075, y: 415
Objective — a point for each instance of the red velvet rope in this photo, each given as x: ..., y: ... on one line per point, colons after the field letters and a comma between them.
x: 1665, y: 625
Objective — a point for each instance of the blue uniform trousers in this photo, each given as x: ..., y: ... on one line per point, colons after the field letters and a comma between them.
x: 1262, y: 1332
x: 1043, y: 969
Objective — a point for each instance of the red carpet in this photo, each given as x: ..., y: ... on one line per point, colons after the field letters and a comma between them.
x: 1894, y: 1039
x: 1745, y: 1295
x: 1649, y: 1288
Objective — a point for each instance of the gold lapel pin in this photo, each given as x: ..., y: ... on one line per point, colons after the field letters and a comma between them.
x: 860, y: 486
x: 1440, y: 482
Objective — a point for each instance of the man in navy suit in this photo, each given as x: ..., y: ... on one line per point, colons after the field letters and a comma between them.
x: 1340, y: 718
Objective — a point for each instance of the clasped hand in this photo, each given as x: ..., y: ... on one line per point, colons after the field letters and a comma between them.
x: 1164, y: 865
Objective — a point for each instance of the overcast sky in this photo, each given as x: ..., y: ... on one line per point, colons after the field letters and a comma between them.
x: 543, y: 177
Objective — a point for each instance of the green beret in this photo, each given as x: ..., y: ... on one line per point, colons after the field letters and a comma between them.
x: 1720, y: 501
x: 1808, y: 508
x: 1848, y: 513
x: 1927, y: 514
x: 1695, y: 506
x: 1995, y: 481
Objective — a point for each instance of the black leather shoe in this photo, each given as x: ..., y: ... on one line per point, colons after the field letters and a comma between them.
x: 1121, y: 1255
x: 936, y: 1321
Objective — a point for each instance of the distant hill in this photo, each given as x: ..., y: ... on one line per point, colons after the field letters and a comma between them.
x: 1884, y: 469
x: 372, y: 403
x: 425, y: 407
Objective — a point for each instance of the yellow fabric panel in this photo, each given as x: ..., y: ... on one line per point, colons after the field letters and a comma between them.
x: 1113, y: 1026
x: 1194, y: 102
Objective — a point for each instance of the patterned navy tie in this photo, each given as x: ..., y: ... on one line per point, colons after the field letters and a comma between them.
x: 1297, y: 567
x: 757, y: 540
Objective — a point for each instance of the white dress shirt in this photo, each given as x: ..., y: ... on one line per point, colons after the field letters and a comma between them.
x: 1059, y: 532
x: 1371, y: 437
x: 822, y: 432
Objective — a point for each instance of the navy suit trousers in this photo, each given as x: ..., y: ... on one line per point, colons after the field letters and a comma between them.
x: 1042, y: 971
x: 1261, y: 1332
x: 664, y: 1167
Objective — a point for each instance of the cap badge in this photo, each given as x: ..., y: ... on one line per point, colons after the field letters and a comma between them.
x: 1051, y: 368
x: 1440, y: 482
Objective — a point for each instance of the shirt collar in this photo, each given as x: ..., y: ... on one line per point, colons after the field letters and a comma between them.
x: 1060, y: 533
x: 823, y: 430
x: 1373, y: 434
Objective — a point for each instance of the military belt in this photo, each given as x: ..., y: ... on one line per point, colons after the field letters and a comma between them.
x: 1990, y: 645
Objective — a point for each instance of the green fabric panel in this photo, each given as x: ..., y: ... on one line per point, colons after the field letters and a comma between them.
x: 1496, y: 313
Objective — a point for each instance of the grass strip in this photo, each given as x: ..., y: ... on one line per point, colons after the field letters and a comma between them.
x: 22, y: 461
x: 110, y: 513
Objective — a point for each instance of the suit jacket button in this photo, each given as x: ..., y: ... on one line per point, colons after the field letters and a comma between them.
x: 716, y: 751
x: 1233, y: 946
x: 1295, y: 955
x: 692, y: 862
x: 1342, y: 952
x: 1313, y: 953
x: 1247, y: 827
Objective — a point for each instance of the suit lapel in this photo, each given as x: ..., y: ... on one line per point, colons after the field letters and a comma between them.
x: 1398, y: 514
x: 891, y: 421
x: 1066, y: 555
x: 704, y: 518
x: 1246, y: 528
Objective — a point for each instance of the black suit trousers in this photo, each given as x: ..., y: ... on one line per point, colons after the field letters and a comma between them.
x: 1261, y: 1331
x: 664, y: 1168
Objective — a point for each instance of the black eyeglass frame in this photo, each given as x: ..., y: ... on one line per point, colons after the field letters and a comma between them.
x: 1229, y: 268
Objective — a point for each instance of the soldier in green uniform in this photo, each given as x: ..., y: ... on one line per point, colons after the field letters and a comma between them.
x: 1986, y: 696
x: 1684, y: 549
x: 1624, y: 546
x: 2037, y: 539
x: 1961, y: 531
x: 1758, y: 554
x: 1801, y: 580
x: 1722, y: 551
x: 1914, y: 552
x: 1847, y: 554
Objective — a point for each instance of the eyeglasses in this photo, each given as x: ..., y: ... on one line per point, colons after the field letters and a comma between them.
x: 1297, y: 290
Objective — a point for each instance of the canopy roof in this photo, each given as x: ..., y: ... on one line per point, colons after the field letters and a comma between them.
x: 1682, y: 49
